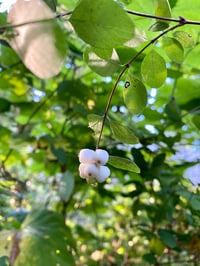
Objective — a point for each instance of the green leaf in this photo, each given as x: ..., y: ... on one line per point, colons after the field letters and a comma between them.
x: 99, y: 65
x: 52, y: 4
x: 162, y: 8
x: 41, y: 45
x: 102, y: 23
x: 156, y: 246
x: 159, y: 26
x: 66, y: 186
x: 4, y: 261
x: 196, y: 121
x: 122, y: 133
x: 150, y: 258
x: 44, y: 240
x: 8, y: 57
x: 135, y: 94
x: 195, y: 202
x: 168, y: 238
x: 124, y: 164
x: 173, y: 49
x: 153, y: 69
x: 60, y: 154
x: 173, y: 111
x: 184, y: 38
x: 95, y: 122
x: 4, y: 105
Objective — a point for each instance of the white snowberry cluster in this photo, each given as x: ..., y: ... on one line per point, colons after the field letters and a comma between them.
x: 92, y: 165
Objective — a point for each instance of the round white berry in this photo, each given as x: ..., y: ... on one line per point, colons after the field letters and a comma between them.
x: 90, y: 170
x: 86, y: 156
x: 103, y: 174
x: 81, y: 170
x: 101, y: 156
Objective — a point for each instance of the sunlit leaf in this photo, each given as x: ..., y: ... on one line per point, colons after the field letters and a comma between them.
x: 40, y: 42
x: 44, y: 236
x: 173, y: 49
x: 100, y: 27
x: 66, y: 186
x: 135, y: 94
x: 154, y: 69
x: 156, y: 246
x: 101, y: 66
x: 123, y: 133
x: 184, y: 38
x: 123, y: 163
x: 162, y: 8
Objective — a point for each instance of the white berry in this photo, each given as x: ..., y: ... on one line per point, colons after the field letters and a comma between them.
x: 101, y: 156
x: 81, y: 170
x: 103, y: 174
x: 90, y: 170
x: 86, y: 156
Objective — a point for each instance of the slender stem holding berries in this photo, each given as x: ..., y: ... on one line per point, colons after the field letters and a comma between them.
x: 182, y: 22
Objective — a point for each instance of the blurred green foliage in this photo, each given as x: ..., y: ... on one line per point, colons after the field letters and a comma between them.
x: 147, y: 212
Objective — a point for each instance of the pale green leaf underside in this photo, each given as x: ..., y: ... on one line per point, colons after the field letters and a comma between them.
x: 123, y: 133
x: 40, y: 45
x: 101, y: 66
x: 102, y: 23
x: 123, y: 164
x: 95, y: 122
x: 153, y: 69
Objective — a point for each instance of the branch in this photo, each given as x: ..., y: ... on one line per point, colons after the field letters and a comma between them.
x: 135, y: 13
x: 177, y: 20
x: 182, y: 22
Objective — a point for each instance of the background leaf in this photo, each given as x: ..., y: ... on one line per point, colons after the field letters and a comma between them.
x: 66, y: 186
x: 168, y: 238
x: 39, y: 240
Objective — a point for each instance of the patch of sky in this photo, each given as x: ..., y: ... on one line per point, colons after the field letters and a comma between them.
x: 37, y: 94
x: 5, y: 5
x: 151, y: 129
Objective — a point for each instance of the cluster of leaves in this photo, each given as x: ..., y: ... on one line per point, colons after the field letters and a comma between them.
x: 56, y: 75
